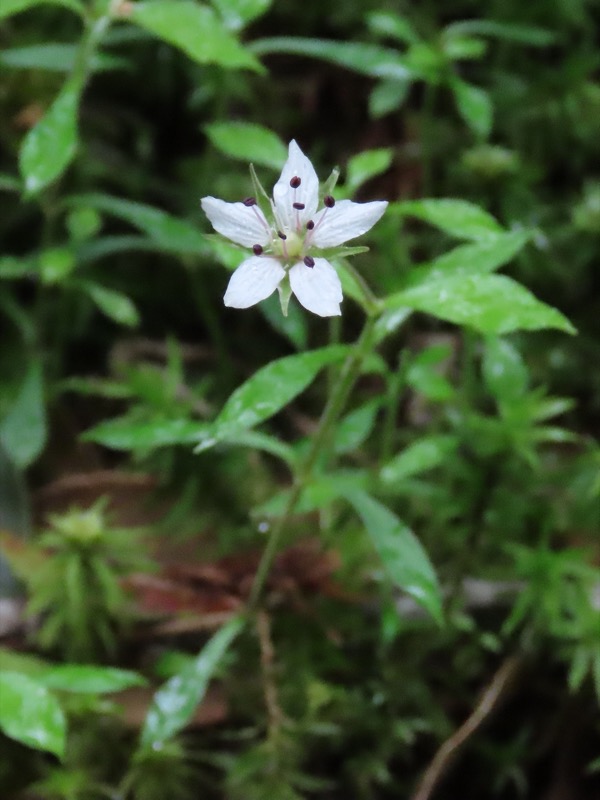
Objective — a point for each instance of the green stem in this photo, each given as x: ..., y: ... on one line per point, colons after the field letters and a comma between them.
x: 334, y: 407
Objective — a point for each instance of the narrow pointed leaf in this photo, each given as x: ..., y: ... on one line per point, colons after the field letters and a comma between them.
x: 249, y: 142
x: 89, y: 679
x: 194, y: 29
x: 273, y: 387
x: 456, y: 217
x: 23, y: 431
x: 488, y: 303
x: 174, y: 704
x: 401, y: 553
x: 474, y: 106
x: 475, y: 258
x: 30, y: 714
x: 49, y: 147
x: 368, y: 59
x: 171, y: 233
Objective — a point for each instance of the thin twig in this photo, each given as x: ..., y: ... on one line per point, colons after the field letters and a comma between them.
x: 494, y: 695
x: 267, y: 663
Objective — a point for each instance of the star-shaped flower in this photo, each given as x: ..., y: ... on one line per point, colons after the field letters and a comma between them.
x: 286, y: 241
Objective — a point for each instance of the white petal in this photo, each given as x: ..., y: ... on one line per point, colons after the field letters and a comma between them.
x: 242, y: 224
x: 297, y: 166
x: 345, y: 221
x: 254, y: 280
x: 318, y: 288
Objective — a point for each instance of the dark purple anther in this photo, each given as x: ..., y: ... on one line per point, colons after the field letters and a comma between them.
x: 299, y: 206
x: 295, y: 182
x: 281, y: 235
x: 310, y: 225
x: 309, y: 261
x: 249, y: 201
x: 257, y: 250
x: 329, y: 201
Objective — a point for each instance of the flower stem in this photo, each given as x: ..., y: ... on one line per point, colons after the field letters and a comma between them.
x: 334, y: 407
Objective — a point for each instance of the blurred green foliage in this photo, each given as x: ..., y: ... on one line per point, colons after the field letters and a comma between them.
x: 455, y: 469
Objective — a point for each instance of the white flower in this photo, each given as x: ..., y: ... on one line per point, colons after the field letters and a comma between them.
x: 286, y: 247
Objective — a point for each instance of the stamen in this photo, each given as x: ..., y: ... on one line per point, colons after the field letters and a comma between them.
x: 309, y: 261
x: 281, y: 235
x: 329, y: 201
x: 298, y: 206
x: 295, y: 182
x: 310, y: 225
x: 249, y: 201
x: 257, y: 250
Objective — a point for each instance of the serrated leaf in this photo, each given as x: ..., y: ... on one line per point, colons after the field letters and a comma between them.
x: 368, y: 59
x: 401, y: 553
x: 248, y: 142
x: 174, y: 704
x: 171, y: 233
x: 115, y: 305
x: 194, y: 29
x: 488, y: 303
x: 89, y: 679
x: 424, y: 454
x: 30, y: 714
x: 50, y: 145
x: 23, y: 431
x: 456, y: 217
x: 474, y: 105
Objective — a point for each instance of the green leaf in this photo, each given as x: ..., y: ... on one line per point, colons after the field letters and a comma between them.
x: 125, y: 433
x: 55, y: 57
x: 55, y: 264
x: 424, y: 454
x: 23, y: 431
x: 49, y: 147
x: 471, y: 259
x: 504, y: 371
x: 272, y: 387
x: 89, y: 679
x: 174, y: 704
x: 401, y: 553
x: 238, y: 13
x: 368, y: 59
x: 488, y: 303
x: 10, y: 7
x: 194, y: 29
x: 509, y: 31
x: 172, y: 234
x: 387, y: 96
x: 461, y: 47
x: 474, y: 106
x: 30, y: 714
x: 388, y: 23
x: 352, y: 430
x: 366, y: 165
x: 115, y: 305
x: 457, y: 217
x: 248, y: 142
